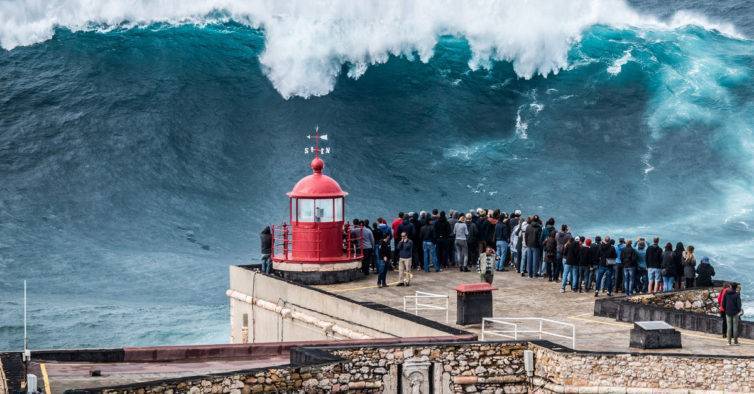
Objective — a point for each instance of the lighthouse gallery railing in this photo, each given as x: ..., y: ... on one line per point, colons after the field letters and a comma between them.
x: 283, y: 245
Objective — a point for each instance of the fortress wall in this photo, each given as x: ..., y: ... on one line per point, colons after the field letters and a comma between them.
x: 644, y: 371
x: 486, y: 367
x: 278, y: 310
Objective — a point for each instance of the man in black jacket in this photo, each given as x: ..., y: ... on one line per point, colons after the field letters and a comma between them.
x: 266, y: 249
x: 630, y: 259
x: 605, y: 268
x: 654, y: 266
x: 429, y: 246
x: 595, y: 255
x: 472, y: 239
x: 532, y: 239
x: 442, y: 237
x: 502, y: 237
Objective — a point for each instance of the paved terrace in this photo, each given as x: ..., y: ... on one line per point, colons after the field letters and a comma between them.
x: 523, y: 297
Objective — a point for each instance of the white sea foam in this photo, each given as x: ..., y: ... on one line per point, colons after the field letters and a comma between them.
x: 308, y: 42
x: 618, y: 64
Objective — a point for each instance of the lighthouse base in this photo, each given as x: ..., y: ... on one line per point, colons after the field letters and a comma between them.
x: 319, y: 273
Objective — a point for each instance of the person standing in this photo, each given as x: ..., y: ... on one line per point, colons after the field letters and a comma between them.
x: 562, y: 237
x: 405, y: 254
x: 487, y: 265
x: 384, y: 261
x: 571, y: 266
x: 550, y: 249
x: 442, y: 236
x: 733, y: 312
x: 266, y: 250
x: 595, y: 255
x: 502, y: 236
x: 641, y: 269
x: 428, y: 244
x: 532, y: 237
x: 629, y: 259
x: 472, y: 240
x: 678, y: 262
x: 461, y: 232
x: 394, y: 226
x: 605, y: 268
x: 689, y: 266
x: 654, y: 266
x: 584, y: 262
x: 367, y: 244
x: 516, y: 245
x: 721, y: 307
x: 549, y: 228
x: 668, y: 268
x: 619, y: 265
x: 705, y: 272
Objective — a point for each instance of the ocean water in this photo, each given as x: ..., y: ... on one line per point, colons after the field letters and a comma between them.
x: 143, y: 145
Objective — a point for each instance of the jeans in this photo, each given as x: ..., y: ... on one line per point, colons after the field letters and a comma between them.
x: 266, y: 264
x: 732, y: 322
x: 667, y: 283
x: 381, y: 272
x: 604, y: 272
x: 588, y: 278
x: 515, y: 259
x: 462, y: 253
x: 580, y: 275
x: 618, y: 277
x: 524, y: 258
x: 429, y: 255
x: 570, y: 272
x: 502, y: 252
x: 366, y: 261
x: 629, y: 275
x: 533, y: 259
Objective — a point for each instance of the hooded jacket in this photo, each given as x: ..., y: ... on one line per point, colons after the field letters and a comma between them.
x: 732, y: 302
x: 571, y: 252
x: 502, y: 231
x: 533, y: 235
x: 705, y: 272
x: 562, y: 237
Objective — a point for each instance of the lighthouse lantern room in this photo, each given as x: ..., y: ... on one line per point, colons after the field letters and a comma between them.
x: 318, y: 247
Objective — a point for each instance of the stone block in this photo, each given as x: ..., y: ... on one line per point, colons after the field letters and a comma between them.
x: 654, y: 335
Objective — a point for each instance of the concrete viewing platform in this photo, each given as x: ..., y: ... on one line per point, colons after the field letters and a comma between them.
x: 518, y: 297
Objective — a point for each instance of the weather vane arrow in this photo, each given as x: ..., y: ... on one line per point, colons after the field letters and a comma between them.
x: 316, y: 148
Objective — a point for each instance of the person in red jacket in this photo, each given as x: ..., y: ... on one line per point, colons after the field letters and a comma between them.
x: 721, y: 307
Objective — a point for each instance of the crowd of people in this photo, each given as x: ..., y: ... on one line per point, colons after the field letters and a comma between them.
x: 535, y: 249
x: 489, y: 240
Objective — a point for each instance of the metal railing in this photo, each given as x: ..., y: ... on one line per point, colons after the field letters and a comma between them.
x: 419, y: 306
x: 507, y: 321
x: 283, y: 245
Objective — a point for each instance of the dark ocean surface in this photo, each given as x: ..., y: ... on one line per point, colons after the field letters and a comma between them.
x: 143, y: 147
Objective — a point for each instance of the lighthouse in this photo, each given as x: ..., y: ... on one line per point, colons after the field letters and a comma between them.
x: 318, y: 246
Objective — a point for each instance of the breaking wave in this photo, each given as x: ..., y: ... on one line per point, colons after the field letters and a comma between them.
x: 309, y: 43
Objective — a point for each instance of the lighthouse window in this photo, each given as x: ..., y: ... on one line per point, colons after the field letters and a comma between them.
x: 305, y: 210
x: 323, y: 211
x: 338, y: 204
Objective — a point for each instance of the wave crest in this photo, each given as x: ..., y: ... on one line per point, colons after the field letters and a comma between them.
x: 307, y: 43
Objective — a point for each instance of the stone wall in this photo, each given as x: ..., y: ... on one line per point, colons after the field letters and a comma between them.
x: 485, y: 367
x: 696, y: 300
x: 643, y: 371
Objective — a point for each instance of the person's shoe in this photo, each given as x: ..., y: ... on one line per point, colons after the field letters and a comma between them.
x: 401, y: 284
x: 735, y: 342
x: 562, y: 290
x: 580, y: 291
x: 596, y: 293
x: 729, y: 343
x: 408, y: 284
x: 609, y: 294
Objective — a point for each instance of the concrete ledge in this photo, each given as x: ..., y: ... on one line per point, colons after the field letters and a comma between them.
x: 623, y: 310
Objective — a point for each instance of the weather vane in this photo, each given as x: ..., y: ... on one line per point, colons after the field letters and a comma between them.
x: 316, y: 149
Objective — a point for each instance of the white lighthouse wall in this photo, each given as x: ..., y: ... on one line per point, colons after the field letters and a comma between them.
x: 281, y: 311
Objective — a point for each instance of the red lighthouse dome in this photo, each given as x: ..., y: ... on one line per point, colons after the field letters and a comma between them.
x: 318, y: 246
x: 317, y: 184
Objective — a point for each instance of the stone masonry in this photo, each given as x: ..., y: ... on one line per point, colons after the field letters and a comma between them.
x: 485, y: 367
x: 697, y: 300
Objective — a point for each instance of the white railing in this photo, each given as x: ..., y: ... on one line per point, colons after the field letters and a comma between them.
x: 420, y: 306
x: 516, y: 330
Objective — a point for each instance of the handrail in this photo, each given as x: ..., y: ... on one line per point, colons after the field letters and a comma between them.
x: 516, y: 331
x: 421, y: 306
x: 283, y: 245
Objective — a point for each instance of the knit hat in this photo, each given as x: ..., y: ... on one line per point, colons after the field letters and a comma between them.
x: 705, y: 259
